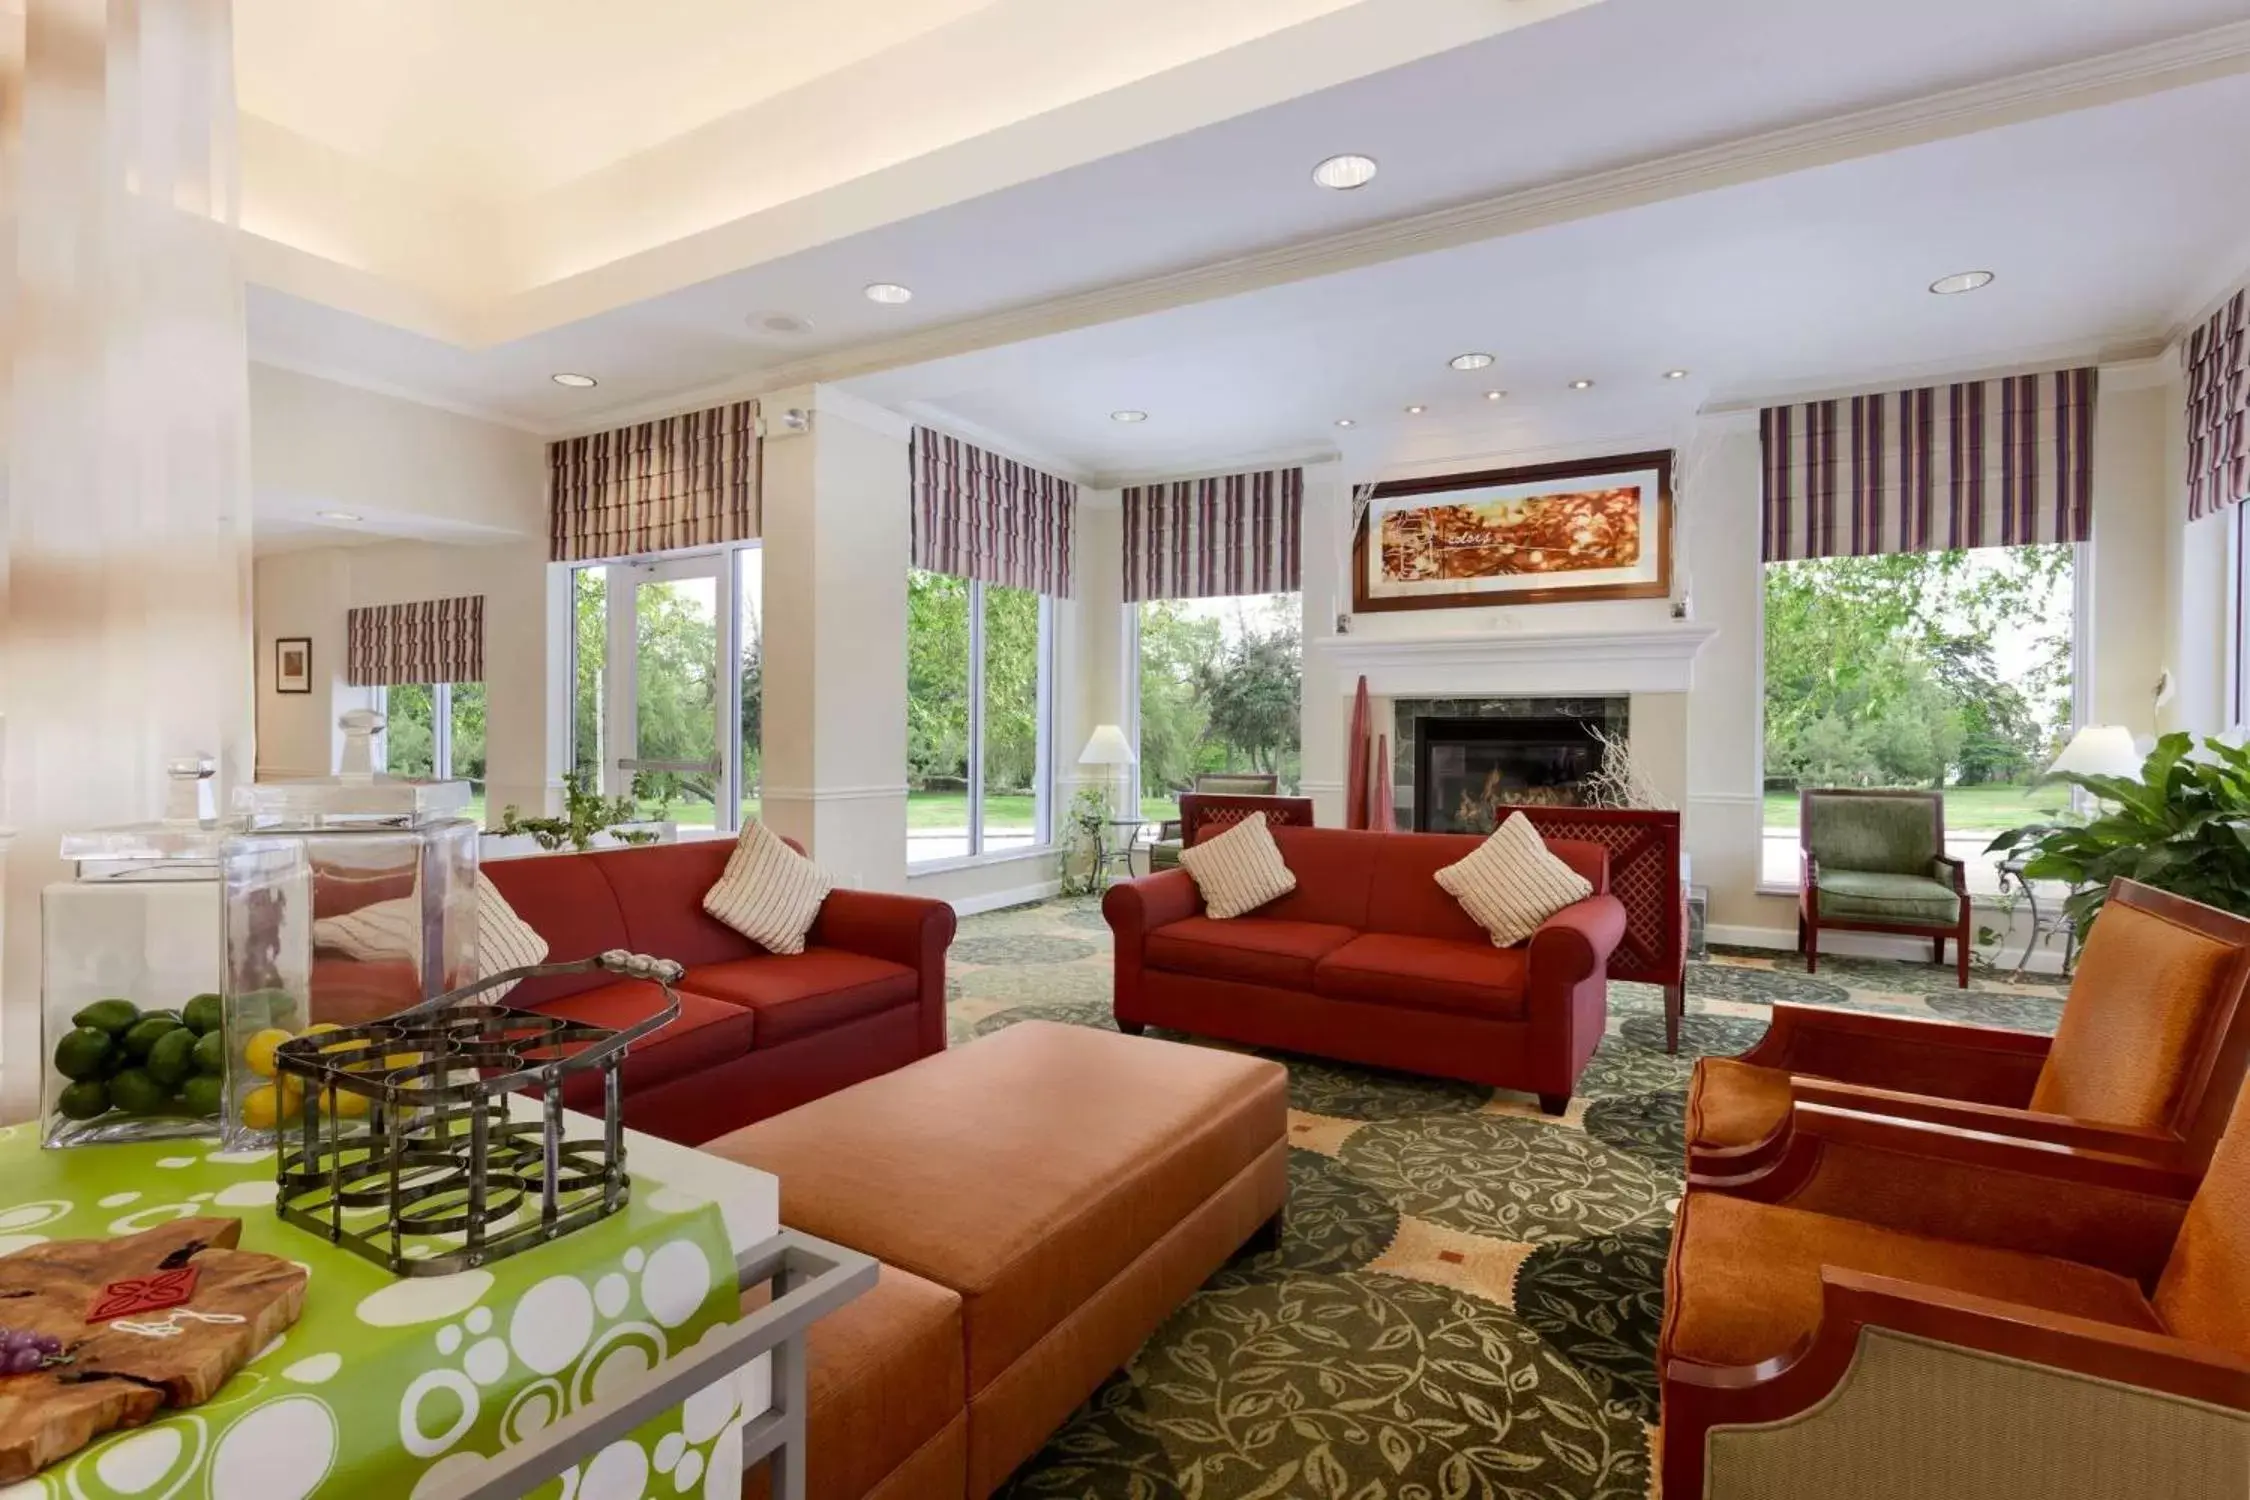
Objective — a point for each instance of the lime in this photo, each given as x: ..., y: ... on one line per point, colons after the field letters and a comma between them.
x: 211, y: 1054
x: 134, y: 1092
x: 202, y: 1095
x: 84, y: 1100
x: 144, y: 1034
x: 172, y: 1059
x: 204, y: 1013
x: 82, y: 1051
x: 108, y: 1015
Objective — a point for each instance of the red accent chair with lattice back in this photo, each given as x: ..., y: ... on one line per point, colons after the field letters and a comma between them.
x: 1213, y: 812
x: 1644, y: 873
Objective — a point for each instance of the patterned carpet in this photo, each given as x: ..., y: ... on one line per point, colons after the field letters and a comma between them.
x: 1466, y: 1299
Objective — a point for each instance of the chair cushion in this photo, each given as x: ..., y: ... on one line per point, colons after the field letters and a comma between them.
x: 1473, y: 978
x: 1239, y: 870
x: 707, y: 1033
x: 1025, y: 1170
x: 1510, y: 883
x: 769, y: 892
x: 2138, y: 1006
x: 2204, y: 1293
x: 1874, y: 896
x: 1164, y: 855
x: 1734, y: 1103
x: 1254, y: 950
x: 1744, y: 1282
x: 796, y: 994
x: 1886, y: 833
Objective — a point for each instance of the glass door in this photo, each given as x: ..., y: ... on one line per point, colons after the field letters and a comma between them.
x: 666, y: 701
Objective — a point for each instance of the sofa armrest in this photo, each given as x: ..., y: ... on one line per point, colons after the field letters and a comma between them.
x: 1576, y: 942
x: 911, y: 931
x: 1907, y: 1054
x: 1135, y: 908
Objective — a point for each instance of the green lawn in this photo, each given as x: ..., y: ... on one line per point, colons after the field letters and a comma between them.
x: 1981, y: 809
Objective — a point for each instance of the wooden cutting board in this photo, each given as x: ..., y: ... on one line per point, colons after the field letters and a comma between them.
x: 123, y: 1370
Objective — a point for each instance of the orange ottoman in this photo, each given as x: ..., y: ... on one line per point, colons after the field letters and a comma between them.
x: 1072, y: 1186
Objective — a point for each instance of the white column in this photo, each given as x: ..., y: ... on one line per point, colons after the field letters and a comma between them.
x: 125, y: 613
x: 1325, y: 710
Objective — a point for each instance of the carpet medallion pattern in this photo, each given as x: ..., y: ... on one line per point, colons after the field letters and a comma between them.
x: 1466, y: 1299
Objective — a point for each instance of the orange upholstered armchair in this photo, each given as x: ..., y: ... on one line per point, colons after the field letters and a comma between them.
x: 2154, y: 1042
x: 1896, y: 1309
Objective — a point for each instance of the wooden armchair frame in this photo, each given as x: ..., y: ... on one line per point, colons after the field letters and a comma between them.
x: 1810, y: 923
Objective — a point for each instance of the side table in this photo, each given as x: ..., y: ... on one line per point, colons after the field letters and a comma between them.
x: 2044, y: 925
x: 1112, y: 852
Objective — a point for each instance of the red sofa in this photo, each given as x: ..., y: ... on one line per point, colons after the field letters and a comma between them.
x: 1370, y: 961
x: 758, y: 1032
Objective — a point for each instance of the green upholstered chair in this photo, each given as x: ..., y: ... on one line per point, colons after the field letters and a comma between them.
x: 1875, y: 861
x: 1164, y: 854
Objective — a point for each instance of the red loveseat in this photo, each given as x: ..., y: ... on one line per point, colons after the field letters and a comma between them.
x: 758, y: 1032
x: 1370, y: 961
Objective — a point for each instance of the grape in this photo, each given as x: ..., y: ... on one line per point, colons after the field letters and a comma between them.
x: 24, y: 1361
x: 16, y: 1338
x: 48, y: 1345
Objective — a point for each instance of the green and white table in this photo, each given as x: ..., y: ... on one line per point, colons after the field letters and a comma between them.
x: 614, y: 1362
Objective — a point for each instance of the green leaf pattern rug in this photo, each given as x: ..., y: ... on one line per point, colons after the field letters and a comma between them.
x: 1466, y: 1300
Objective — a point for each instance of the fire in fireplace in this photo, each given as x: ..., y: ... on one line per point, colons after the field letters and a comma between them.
x: 1464, y: 769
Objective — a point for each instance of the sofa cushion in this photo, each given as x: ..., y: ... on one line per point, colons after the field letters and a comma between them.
x: 565, y: 897
x: 1510, y: 883
x: 659, y: 890
x: 1254, y: 950
x: 1732, y: 1103
x: 707, y: 1032
x: 883, y: 1377
x: 1239, y: 870
x: 1744, y: 1280
x: 1025, y: 1170
x: 1473, y: 978
x: 1871, y: 896
x: 1334, y: 868
x: 798, y: 993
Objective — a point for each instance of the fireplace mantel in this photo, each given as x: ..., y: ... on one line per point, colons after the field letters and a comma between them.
x: 1654, y: 659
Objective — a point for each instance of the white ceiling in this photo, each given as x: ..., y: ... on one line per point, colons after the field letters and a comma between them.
x: 2100, y: 225
x: 1189, y: 220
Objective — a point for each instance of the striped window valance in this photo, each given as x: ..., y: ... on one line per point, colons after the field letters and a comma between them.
x: 2218, y: 411
x: 1988, y: 463
x: 684, y: 481
x: 978, y: 515
x: 432, y: 640
x: 1208, y: 538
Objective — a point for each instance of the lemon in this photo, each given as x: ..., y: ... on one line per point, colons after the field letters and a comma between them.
x: 259, y: 1110
x: 258, y: 1051
x: 346, y: 1104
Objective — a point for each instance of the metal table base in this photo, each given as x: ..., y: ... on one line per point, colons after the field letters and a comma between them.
x: 808, y: 1279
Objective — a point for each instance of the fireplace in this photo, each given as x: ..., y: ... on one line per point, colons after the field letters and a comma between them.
x: 1464, y: 768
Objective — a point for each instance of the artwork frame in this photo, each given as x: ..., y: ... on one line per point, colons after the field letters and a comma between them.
x: 1578, y: 484
x: 292, y: 664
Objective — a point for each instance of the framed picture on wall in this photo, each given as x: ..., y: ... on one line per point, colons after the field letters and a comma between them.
x: 292, y: 664
x: 1550, y: 534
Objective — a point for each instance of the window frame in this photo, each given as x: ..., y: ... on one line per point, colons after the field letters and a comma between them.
x: 441, y: 728
x: 1043, y: 773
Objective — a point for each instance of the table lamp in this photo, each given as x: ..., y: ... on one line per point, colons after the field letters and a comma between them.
x: 2101, y: 750
x: 1108, y: 747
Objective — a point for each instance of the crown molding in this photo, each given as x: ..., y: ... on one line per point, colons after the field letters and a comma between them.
x: 1298, y: 457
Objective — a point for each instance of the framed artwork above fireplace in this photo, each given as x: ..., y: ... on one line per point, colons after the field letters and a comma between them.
x: 1548, y: 534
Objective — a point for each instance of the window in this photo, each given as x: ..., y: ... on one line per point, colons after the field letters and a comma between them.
x: 1949, y: 670
x: 657, y: 712
x: 977, y: 727
x: 1220, y: 684
x: 435, y: 731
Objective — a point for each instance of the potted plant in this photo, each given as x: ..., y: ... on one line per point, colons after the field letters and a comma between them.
x: 2182, y: 825
x: 588, y: 820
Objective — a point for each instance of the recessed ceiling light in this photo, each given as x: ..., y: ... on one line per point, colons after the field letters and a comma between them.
x: 575, y: 382
x: 1345, y: 422
x: 1470, y: 361
x: 1582, y: 385
x: 1415, y: 411
x: 781, y: 323
x: 1495, y: 395
x: 1343, y: 173
x: 889, y: 293
x: 1128, y: 416
x: 1961, y: 281
x: 1675, y: 374
x: 337, y: 515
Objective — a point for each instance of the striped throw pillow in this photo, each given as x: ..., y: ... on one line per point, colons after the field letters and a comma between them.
x: 504, y: 940
x: 1239, y: 870
x: 769, y: 892
x: 1511, y: 882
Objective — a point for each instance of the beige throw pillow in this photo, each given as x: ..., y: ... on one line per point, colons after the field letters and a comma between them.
x: 1239, y: 870
x: 391, y: 931
x: 504, y: 940
x: 769, y: 892
x: 1511, y: 883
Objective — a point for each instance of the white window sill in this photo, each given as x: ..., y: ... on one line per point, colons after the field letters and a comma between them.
x: 980, y: 861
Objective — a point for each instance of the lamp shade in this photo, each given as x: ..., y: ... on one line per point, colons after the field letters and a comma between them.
x: 2101, y: 750
x: 1108, y: 747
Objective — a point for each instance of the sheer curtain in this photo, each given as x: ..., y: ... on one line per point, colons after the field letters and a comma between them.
x: 125, y: 596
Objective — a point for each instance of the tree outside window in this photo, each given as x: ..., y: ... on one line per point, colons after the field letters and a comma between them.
x: 976, y: 751
x: 1221, y: 689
